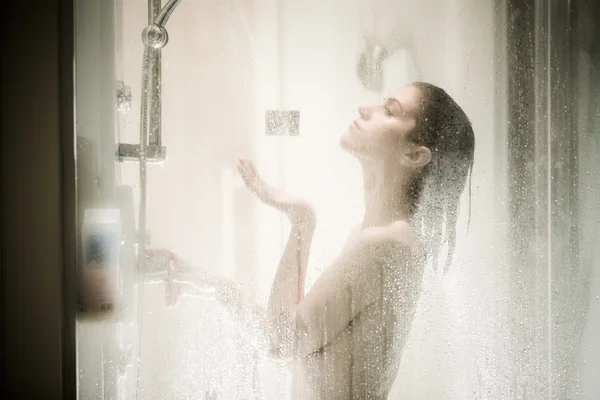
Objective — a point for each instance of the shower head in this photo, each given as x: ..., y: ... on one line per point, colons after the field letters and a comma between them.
x: 370, y: 68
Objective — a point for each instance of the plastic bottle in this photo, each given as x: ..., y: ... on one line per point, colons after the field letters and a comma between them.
x: 99, y: 274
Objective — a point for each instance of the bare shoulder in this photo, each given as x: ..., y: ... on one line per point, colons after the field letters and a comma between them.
x: 396, y: 240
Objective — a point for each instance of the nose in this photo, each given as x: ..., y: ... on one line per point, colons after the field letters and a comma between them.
x: 364, y: 112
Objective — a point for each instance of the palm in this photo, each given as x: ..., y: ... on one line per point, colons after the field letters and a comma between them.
x: 294, y: 207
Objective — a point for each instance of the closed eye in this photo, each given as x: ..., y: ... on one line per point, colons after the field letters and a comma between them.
x: 393, y: 107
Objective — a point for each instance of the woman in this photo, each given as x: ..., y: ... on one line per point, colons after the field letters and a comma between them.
x: 345, y: 337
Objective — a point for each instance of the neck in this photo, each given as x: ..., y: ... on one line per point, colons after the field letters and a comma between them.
x: 385, y: 196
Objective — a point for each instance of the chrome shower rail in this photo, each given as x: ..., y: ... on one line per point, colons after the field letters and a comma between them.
x: 150, y: 148
x: 154, y: 37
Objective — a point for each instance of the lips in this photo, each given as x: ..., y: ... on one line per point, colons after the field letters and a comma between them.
x: 356, y: 125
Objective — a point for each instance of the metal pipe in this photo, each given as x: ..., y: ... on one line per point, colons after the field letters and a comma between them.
x: 155, y: 117
x: 153, y: 10
x: 157, y: 16
x: 165, y: 12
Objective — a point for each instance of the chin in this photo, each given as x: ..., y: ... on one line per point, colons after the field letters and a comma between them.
x: 346, y: 143
x: 347, y: 147
x: 352, y: 145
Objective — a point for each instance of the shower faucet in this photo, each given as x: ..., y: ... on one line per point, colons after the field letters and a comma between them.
x: 154, y: 37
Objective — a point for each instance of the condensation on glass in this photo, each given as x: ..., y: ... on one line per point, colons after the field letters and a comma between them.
x: 164, y: 110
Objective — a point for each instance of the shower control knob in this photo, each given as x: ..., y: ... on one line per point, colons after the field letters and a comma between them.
x: 123, y: 96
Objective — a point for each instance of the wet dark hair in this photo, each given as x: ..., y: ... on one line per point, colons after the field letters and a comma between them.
x: 444, y: 128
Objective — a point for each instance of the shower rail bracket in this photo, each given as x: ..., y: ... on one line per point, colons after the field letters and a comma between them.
x: 131, y: 153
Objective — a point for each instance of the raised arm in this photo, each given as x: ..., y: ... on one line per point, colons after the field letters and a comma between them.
x: 300, y: 325
x: 351, y: 284
x: 287, y: 291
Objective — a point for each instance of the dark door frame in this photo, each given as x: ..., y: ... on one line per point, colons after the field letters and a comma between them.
x: 37, y: 203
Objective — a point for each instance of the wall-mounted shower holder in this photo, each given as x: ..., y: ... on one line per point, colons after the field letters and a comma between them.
x: 154, y: 37
x: 127, y: 152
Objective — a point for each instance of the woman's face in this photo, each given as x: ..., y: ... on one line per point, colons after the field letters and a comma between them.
x: 382, y: 130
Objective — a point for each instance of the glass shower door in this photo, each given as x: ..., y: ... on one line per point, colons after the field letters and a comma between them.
x: 163, y: 116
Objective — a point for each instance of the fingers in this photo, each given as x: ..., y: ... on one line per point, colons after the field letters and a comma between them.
x: 249, y: 175
x: 249, y: 181
x: 260, y: 182
x: 245, y: 169
x: 241, y: 167
x: 252, y: 168
x: 248, y: 170
x: 255, y: 183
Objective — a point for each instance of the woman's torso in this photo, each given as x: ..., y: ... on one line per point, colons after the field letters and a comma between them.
x: 362, y: 362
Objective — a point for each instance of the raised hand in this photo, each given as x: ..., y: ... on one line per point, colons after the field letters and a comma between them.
x: 295, y: 208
